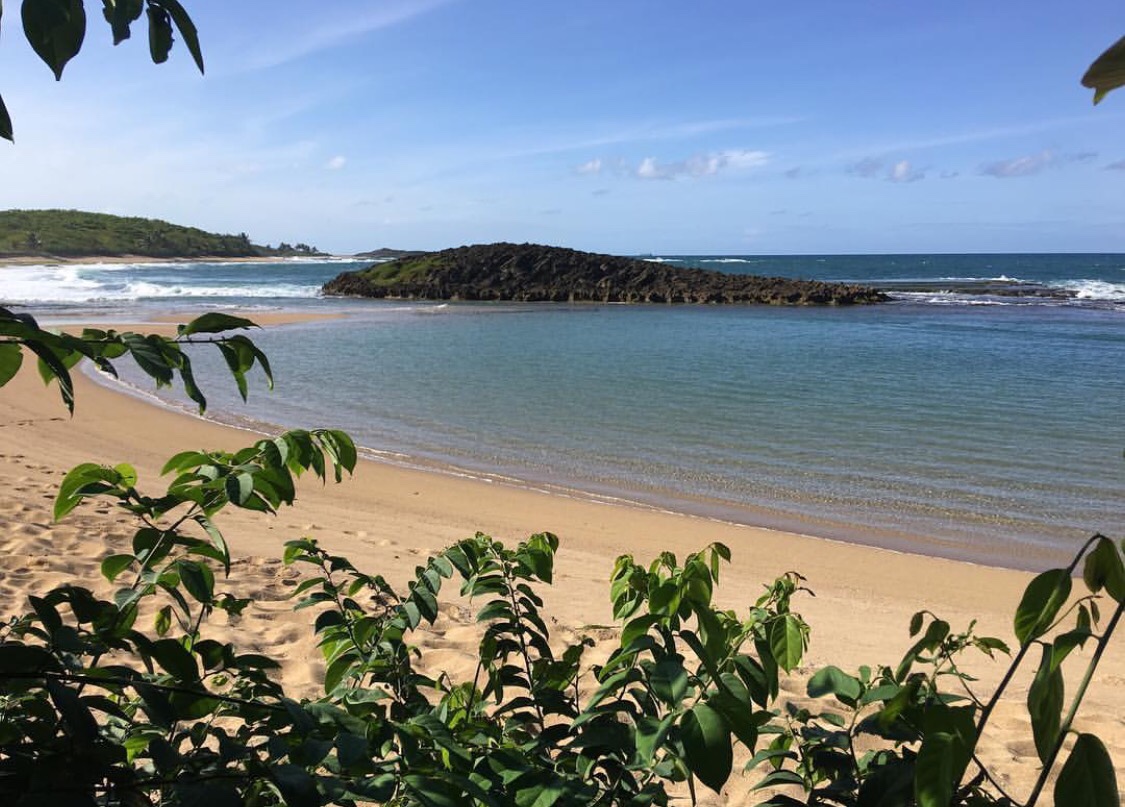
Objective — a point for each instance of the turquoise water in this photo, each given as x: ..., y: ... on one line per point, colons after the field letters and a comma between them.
x: 964, y: 424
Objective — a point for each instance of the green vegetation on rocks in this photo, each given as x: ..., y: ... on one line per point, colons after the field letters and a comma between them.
x: 535, y: 273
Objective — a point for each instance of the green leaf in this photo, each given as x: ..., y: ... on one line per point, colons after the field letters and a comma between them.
x: 175, y: 660
x: 162, y: 622
x: 5, y: 122
x: 1107, y: 72
x: 651, y: 734
x: 297, y: 785
x: 51, y: 366
x: 115, y: 565
x: 217, y: 539
x: 1045, y: 702
x: 187, y: 31
x: 239, y: 487
x: 787, y: 642
x: 80, y: 722
x: 1103, y: 569
x: 198, y: 579
x: 190, y: 387
x: 213, y: 322
x: 159, y: 33
x: 434, y: 791
x: 81, y: 481
x: 120, y: 14
x: 185, y: 460
x: 707, y: 745
x: 834, y: 681
x: 11, y: 355
x: 55, y: 30
x: 236, y: 365
x: 949, y: 737
x: 148, y: 353
x: 669, y: 680
x: 1041, y: 602
x: 1088, y: 778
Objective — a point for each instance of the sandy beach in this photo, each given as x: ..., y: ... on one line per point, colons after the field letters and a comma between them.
x: 387, y: 518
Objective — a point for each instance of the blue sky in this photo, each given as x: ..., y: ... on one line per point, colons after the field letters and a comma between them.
x: 626, y: 126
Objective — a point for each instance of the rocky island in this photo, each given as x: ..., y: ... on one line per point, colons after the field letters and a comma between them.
x: 534, y: 273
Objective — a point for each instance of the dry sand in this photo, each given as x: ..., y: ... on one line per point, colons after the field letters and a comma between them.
x: 387, y: 519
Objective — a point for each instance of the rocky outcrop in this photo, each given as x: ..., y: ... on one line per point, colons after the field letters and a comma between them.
x: 533, y: 273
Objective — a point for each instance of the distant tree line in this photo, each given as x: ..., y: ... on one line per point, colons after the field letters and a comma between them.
x: 76, y: 233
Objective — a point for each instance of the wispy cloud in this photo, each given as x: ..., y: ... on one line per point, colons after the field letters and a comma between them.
x: 616, y: 134
x: 360, y: 19
x: 897, y: 171
x: 701, y: 165
x: 867, y: 168
x: 1116, y: 166
x: 698, y: 165
x: 1020, y: 166
x: 1034, y: 163
x: 973, y: 136
x: 593, y: 166
x: 336, y: 163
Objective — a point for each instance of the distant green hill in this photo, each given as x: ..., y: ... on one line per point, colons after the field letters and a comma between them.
x: 76, y: 233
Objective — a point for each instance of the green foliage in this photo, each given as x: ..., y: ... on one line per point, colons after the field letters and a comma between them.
x: 171, y: 714
x: 95, y: 707
x: 1107, y: 73
x: 76, y: 233
x: 410, y: 267
x: 55, y: 29
x: 919, y: 735
x: 162, y: 358
x: 100, y: 709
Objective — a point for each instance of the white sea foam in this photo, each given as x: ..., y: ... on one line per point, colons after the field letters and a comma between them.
x: 140, y: 289
x: 1096, y: 290
x: 91, y: 283
x: 946, y: 298
x: 998, y: 279
x: 46, y: 284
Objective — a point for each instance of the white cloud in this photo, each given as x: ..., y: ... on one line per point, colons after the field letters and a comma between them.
x: 648, y: 169
x: 701, y: 165
x: 593, y: 166
x: 902, y: 171
x: 898, y: 171
x: 336, y: 163
x: 1019, y: 166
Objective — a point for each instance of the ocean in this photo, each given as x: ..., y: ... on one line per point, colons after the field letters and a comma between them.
x: 978, y: 416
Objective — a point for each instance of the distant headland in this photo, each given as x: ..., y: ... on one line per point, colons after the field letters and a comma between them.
x: 535, y: 273
x: 70, y: 234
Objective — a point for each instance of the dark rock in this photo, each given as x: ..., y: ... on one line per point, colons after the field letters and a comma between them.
x: 533, y: 273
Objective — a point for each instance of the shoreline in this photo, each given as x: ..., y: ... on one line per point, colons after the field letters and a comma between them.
x: 387, y: 519
x: 833, y: 526
x: 845, y: 533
